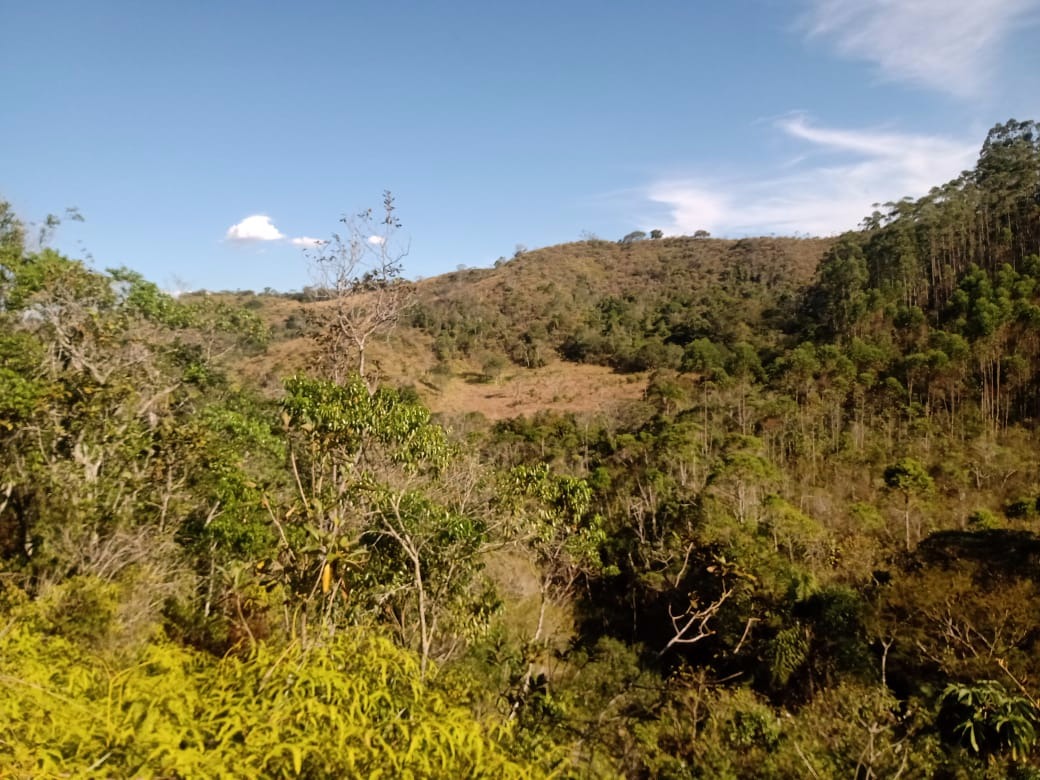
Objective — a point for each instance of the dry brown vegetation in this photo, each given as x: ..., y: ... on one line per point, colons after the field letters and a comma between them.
x: 560, y: 386
x: 552, y: 287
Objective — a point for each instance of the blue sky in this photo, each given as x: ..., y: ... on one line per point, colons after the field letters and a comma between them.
x: 199, y: 139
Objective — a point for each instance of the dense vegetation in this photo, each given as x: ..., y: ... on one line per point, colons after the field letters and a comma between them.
x: 811, y: 550
x: 631, y: 305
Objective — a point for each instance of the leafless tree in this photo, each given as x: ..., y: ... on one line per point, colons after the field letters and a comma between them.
x: 359, y: 275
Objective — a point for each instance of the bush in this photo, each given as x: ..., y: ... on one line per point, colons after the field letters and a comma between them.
x: 349, y: 708
x: 984, y: 520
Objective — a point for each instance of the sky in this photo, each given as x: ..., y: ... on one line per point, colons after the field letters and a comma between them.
x: 213, y: 144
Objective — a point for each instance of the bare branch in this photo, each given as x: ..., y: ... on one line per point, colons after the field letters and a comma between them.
x: 692, y: 625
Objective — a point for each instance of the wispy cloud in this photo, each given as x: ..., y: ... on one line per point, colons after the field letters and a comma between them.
x: 307, y: 242
x: 828, y: 190
x: 940, y: 44
x: 255, y: 228
x: 376, y: 240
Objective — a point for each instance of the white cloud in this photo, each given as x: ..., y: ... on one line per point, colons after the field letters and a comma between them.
x: 255, y: 228
x: 947, y: 45
x: 376, y: 240
x: 692, y: 206
x: 827, y: 191
x: 259, y: 227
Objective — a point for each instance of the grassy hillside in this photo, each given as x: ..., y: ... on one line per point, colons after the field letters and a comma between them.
x: 629, y: 307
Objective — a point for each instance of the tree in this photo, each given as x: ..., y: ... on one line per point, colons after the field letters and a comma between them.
x: 103, y: 379
x: 367, y: 467
x: 1008, y: 176
x: 563, y: 535
x: 910, y: 478
x: 838, y: 299
x: 360, y: 274
x: 691, y: 626
x: 12, y: 238
x: 631, y: 238
x: 742, y: 479
x: 656, y: 234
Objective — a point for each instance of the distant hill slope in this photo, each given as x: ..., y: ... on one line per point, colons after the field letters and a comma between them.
x: 616, y: 304
x: 609, y: 268
x: 630, y: 307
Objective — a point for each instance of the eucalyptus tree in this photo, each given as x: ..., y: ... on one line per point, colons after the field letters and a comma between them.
x: 909, y: 478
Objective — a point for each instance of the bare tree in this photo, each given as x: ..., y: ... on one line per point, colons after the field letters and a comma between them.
x: 360, y: 276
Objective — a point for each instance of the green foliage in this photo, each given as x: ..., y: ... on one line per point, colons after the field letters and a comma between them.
x: 145, y: 299
x: 908, y: 476
x: 367, y: 533
x: 983, y: 520
x: 984, y: 718
x: 839, y: 297
x: 22, y: 390
x: 788, y: 651
x: 349, y: 421
x: 348, y: 708
x: 526, y: 574
x: 566, y: 533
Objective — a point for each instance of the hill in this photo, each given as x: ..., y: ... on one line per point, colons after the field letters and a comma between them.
x: 632, y: 307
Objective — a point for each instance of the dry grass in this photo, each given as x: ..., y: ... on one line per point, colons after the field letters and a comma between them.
x: 563, y: 387
x: 606, y: 268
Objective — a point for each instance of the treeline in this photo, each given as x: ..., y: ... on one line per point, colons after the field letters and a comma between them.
x: 809, y: 551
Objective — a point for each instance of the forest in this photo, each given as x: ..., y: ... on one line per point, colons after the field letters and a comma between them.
x: 237, y: 540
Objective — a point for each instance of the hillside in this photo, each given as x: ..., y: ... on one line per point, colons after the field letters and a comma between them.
x: 631, y: 308
x: 671, y: 508
x: 543, y: 300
